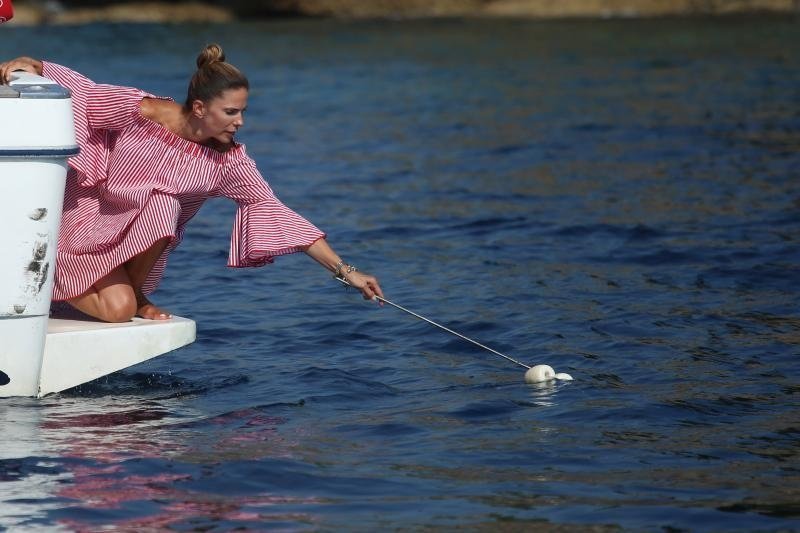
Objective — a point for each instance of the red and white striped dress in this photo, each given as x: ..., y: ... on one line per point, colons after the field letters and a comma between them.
x: 135, y: 182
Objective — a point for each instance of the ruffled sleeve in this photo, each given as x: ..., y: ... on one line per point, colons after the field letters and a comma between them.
x: 100, y: 111
x: 104, y: 107
x: 264, y: 227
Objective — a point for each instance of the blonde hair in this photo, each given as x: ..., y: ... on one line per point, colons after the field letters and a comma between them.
x: 213, y: 76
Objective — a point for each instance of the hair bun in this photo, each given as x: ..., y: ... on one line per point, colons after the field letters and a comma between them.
x: 210, y: 54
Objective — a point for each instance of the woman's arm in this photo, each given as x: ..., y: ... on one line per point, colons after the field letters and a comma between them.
x: 95, y: 105
x: 323, y: 254
x: 264, y: 227
x: 28, y: 64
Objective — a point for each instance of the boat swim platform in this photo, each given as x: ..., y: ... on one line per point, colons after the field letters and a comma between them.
x: 78, y: 350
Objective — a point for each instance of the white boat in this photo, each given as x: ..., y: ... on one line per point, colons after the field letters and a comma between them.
x: 40, y: 354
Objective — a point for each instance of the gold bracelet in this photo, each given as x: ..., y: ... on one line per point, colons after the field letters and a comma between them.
x: 338, y: 269
x: 340, y: 266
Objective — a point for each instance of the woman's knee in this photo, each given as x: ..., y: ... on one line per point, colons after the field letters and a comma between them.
x: 119, y: 308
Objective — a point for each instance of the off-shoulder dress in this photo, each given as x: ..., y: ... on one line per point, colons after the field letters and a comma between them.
x: 135, y: 182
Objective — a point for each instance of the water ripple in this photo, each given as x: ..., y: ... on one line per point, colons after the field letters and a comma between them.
x: 621, y: 204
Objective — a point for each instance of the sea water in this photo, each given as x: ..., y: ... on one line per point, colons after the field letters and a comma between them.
x: 617, y: 199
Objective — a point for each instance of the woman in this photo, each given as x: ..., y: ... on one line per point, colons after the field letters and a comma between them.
x: 146, y: 166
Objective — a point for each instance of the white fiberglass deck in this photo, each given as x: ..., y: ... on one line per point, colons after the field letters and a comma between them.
x: 77, y: 351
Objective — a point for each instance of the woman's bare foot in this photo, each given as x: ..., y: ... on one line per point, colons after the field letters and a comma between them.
x: 146, y: 309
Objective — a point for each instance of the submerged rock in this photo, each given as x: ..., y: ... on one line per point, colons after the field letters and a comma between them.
x: 147, y: 12
x: 87, y: 11
x: 504, y: 8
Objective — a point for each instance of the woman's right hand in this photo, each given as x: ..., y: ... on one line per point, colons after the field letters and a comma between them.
x: 28, y: 64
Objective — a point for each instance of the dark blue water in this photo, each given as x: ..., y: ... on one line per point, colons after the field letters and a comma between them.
x: 619, y: 200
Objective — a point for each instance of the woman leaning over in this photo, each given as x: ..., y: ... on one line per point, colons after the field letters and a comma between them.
x: 146, y: 166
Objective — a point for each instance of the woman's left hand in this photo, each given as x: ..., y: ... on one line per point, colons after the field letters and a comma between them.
x: 368, y: 285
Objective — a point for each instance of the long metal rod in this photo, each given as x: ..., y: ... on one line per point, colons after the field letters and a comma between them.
x: 431, y: 322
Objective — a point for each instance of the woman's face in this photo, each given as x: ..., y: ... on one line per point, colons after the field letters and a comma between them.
x: 224, y: 115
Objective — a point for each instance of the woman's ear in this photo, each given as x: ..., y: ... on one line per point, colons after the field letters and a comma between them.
x: 198, y: 109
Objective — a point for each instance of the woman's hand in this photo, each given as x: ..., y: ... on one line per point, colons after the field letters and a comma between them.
x: 28, y: 64
x: 368, y: 285
x: 321, y: 252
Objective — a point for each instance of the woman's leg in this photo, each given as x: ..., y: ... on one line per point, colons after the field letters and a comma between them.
x: 118, y: 296
x: 111, y: 298
x: 138, y: 268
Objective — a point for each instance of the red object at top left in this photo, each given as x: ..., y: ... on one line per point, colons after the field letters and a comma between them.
x: 6, y: 11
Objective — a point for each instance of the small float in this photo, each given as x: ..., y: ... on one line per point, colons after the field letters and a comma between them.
x: 39, y: 353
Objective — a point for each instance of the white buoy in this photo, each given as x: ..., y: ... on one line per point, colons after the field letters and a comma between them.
x: 542, y: 373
